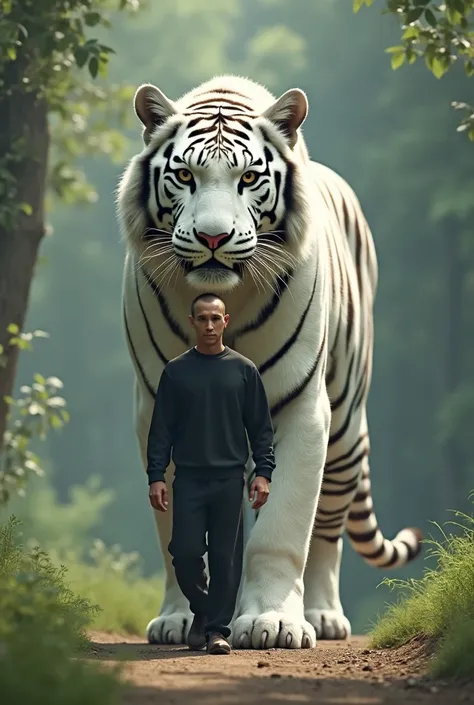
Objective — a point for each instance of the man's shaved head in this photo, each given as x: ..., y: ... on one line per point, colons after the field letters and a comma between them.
x: 207, y: 297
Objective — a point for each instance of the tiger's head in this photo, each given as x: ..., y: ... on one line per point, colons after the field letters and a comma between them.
x: 219, y: 191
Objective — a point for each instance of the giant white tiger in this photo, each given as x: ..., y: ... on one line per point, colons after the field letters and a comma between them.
x: 223, y: 197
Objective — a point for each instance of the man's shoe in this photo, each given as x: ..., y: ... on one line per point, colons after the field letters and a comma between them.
x: 196, y: 637
x: 216, y: 644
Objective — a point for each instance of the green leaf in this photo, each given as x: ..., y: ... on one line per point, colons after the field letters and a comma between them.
x: 398, y: 60
x: 103, y: 68
x: 81, y: 55
x: 357, y: 4
x: 430, y: 18
x: 26, y: 208
x: 106, y: 50
x: 411, y: 55
x: 411, y: 33
x: 438, y: 67
x: 414, y: 15
x: 56, y: 422
x: 453, y: 16
x: 20, y: 342
x: 92, y: 18
x: 94, y: 66
x: 13, y: 329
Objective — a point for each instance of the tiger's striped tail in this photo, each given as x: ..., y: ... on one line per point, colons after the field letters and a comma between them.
x: 366, y: 537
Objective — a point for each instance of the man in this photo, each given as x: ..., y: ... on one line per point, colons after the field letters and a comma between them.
x: 206, y: 399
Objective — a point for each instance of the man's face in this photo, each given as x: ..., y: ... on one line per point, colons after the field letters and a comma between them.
x: 209, y: 321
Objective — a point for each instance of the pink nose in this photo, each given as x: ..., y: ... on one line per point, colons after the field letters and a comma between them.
x: 212, y: 240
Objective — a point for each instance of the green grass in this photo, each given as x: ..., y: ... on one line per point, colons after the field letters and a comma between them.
x: 439, y: 606
x: 127, y: 603
x: 455, y: 655
x: 42, y: 629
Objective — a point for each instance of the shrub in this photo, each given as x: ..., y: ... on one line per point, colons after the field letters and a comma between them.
x: 440, y: 605
x: 42, y: 625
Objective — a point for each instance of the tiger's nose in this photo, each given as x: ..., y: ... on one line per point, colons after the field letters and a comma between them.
x: 212, y: 241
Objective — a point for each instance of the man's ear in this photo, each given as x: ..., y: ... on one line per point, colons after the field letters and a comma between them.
x: 288, y: 113
x: 153, y: 108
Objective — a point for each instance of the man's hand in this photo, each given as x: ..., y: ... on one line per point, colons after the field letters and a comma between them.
x: 158, y: 495
x: 260, y: 488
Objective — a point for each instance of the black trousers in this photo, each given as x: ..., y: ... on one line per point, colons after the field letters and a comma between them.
x: 213, y: 507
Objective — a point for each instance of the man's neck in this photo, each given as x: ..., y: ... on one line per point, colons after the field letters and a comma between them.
x: 214, y: 349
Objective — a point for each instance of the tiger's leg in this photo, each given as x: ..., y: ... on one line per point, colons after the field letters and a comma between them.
x: 347, y: 460
x: 174, y: 619
x: 270, y: 611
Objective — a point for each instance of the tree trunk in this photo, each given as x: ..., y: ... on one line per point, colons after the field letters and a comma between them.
x: 24, y: 134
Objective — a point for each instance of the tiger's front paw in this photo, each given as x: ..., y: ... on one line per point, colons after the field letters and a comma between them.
x: 272, y: 630
x: 329, y: 624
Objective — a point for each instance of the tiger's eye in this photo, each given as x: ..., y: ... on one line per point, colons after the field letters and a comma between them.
x: 249, y: 177
x: 185, y: 175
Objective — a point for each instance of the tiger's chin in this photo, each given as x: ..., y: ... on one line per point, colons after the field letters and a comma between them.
x: 219, y: 281
x: 219, y: 278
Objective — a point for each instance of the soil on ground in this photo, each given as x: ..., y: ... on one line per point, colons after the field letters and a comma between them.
x: 338, y: 672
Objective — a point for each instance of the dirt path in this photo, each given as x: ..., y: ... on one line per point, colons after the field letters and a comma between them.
x: 333, y: 673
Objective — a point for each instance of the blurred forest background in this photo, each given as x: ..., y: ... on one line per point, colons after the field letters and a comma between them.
x: 393, y: 136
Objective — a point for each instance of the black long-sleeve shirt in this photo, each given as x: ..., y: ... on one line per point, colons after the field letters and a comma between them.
x: 204, y: 404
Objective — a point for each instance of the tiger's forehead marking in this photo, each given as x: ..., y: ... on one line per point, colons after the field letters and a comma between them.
x: 219, y: 128
x: 221, y: 98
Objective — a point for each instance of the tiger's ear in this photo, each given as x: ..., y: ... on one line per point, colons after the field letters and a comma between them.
x: 152, y: 107
x: 288, y: 113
